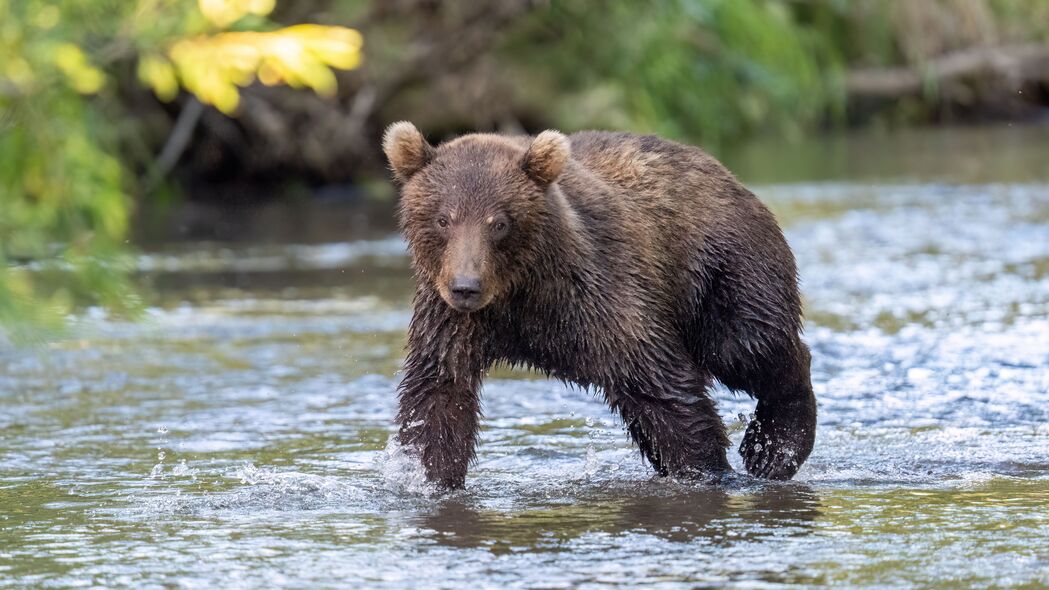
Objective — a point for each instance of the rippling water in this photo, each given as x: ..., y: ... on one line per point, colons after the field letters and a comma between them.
x: 238, y: 436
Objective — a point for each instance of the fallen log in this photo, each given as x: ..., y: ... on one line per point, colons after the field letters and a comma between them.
x: 1010, y: 66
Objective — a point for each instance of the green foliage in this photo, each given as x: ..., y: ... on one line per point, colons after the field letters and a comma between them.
x: 64, y: 203
x: 720, y: 71
x: 62, y: 207
x: 726, y: 68
x: 715, y: 70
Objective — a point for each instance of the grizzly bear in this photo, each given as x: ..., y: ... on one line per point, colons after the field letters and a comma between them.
x: 632, y: 265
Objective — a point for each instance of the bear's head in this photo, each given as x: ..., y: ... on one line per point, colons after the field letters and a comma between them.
x: 473, y: 209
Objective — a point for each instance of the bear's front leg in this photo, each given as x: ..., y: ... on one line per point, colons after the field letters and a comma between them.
x: 438, y: 424
x: 674, y: 422
x: 439, y: 406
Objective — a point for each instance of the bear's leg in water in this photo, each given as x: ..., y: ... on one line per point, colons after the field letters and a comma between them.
x: 748, y: 335
x: 782, y: 434
x: 674, y: 423
x: 439, y: 396
x: 774, y: 368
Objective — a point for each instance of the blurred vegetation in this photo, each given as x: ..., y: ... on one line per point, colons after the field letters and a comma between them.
x: 717, y: 72
x: 102, y: 102
x: 64, y: 191
x: 708, y: 71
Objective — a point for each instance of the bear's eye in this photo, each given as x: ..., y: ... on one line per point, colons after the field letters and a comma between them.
x: 442, y: 222
x: 500, y: 225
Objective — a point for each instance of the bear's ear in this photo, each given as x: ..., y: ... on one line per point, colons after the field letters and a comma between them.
x: 406, y: 149
x: 547, y: 157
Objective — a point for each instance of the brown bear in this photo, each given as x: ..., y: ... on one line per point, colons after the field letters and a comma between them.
x: 629, y: 264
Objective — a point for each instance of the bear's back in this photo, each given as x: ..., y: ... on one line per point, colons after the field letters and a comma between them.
x: 664, y: 193
x: 646, y: 162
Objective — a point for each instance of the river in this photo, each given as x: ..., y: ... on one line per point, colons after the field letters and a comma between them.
x: 237, y: 435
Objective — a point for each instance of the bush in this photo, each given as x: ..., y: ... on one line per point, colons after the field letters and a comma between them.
x: 64, y: 195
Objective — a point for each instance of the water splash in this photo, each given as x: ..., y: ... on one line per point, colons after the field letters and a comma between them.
x: 402, y: 472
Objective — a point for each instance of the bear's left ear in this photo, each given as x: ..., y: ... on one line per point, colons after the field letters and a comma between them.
x: 406, y: 149
x: 547, y: 157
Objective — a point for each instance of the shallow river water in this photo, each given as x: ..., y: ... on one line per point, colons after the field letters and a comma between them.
x: 237, y: 436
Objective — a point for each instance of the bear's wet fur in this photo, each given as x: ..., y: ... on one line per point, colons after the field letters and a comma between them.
x: 632, y: 265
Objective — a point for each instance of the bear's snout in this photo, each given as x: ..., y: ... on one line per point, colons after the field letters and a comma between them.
x: 465, y: 292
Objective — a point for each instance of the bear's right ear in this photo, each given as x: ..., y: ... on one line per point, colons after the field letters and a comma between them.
x: 406, y: 149
x: 547, y: 157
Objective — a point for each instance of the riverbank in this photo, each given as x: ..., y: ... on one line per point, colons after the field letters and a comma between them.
x: 984, y: 154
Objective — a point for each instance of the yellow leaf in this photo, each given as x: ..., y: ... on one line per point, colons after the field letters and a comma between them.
x: 227, y: 99
x: 83, y: 77
x: 159, y: 74
x: 223, y: 13
x: 212, y: 67
x: 261, y: 7
x: 270, y: 75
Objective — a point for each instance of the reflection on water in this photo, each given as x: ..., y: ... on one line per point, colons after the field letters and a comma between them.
x: 670, y: 512
x: 971, y: 155
x: 238, y: 436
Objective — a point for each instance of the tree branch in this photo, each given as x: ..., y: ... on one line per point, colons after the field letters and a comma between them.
x: 176, y: 143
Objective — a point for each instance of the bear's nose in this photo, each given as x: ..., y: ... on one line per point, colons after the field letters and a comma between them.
x: 466, y: 287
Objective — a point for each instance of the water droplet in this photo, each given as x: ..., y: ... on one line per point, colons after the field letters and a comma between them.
x: 593, y: 463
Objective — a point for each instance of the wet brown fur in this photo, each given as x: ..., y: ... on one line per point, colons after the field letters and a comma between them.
x: 630, y: 264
